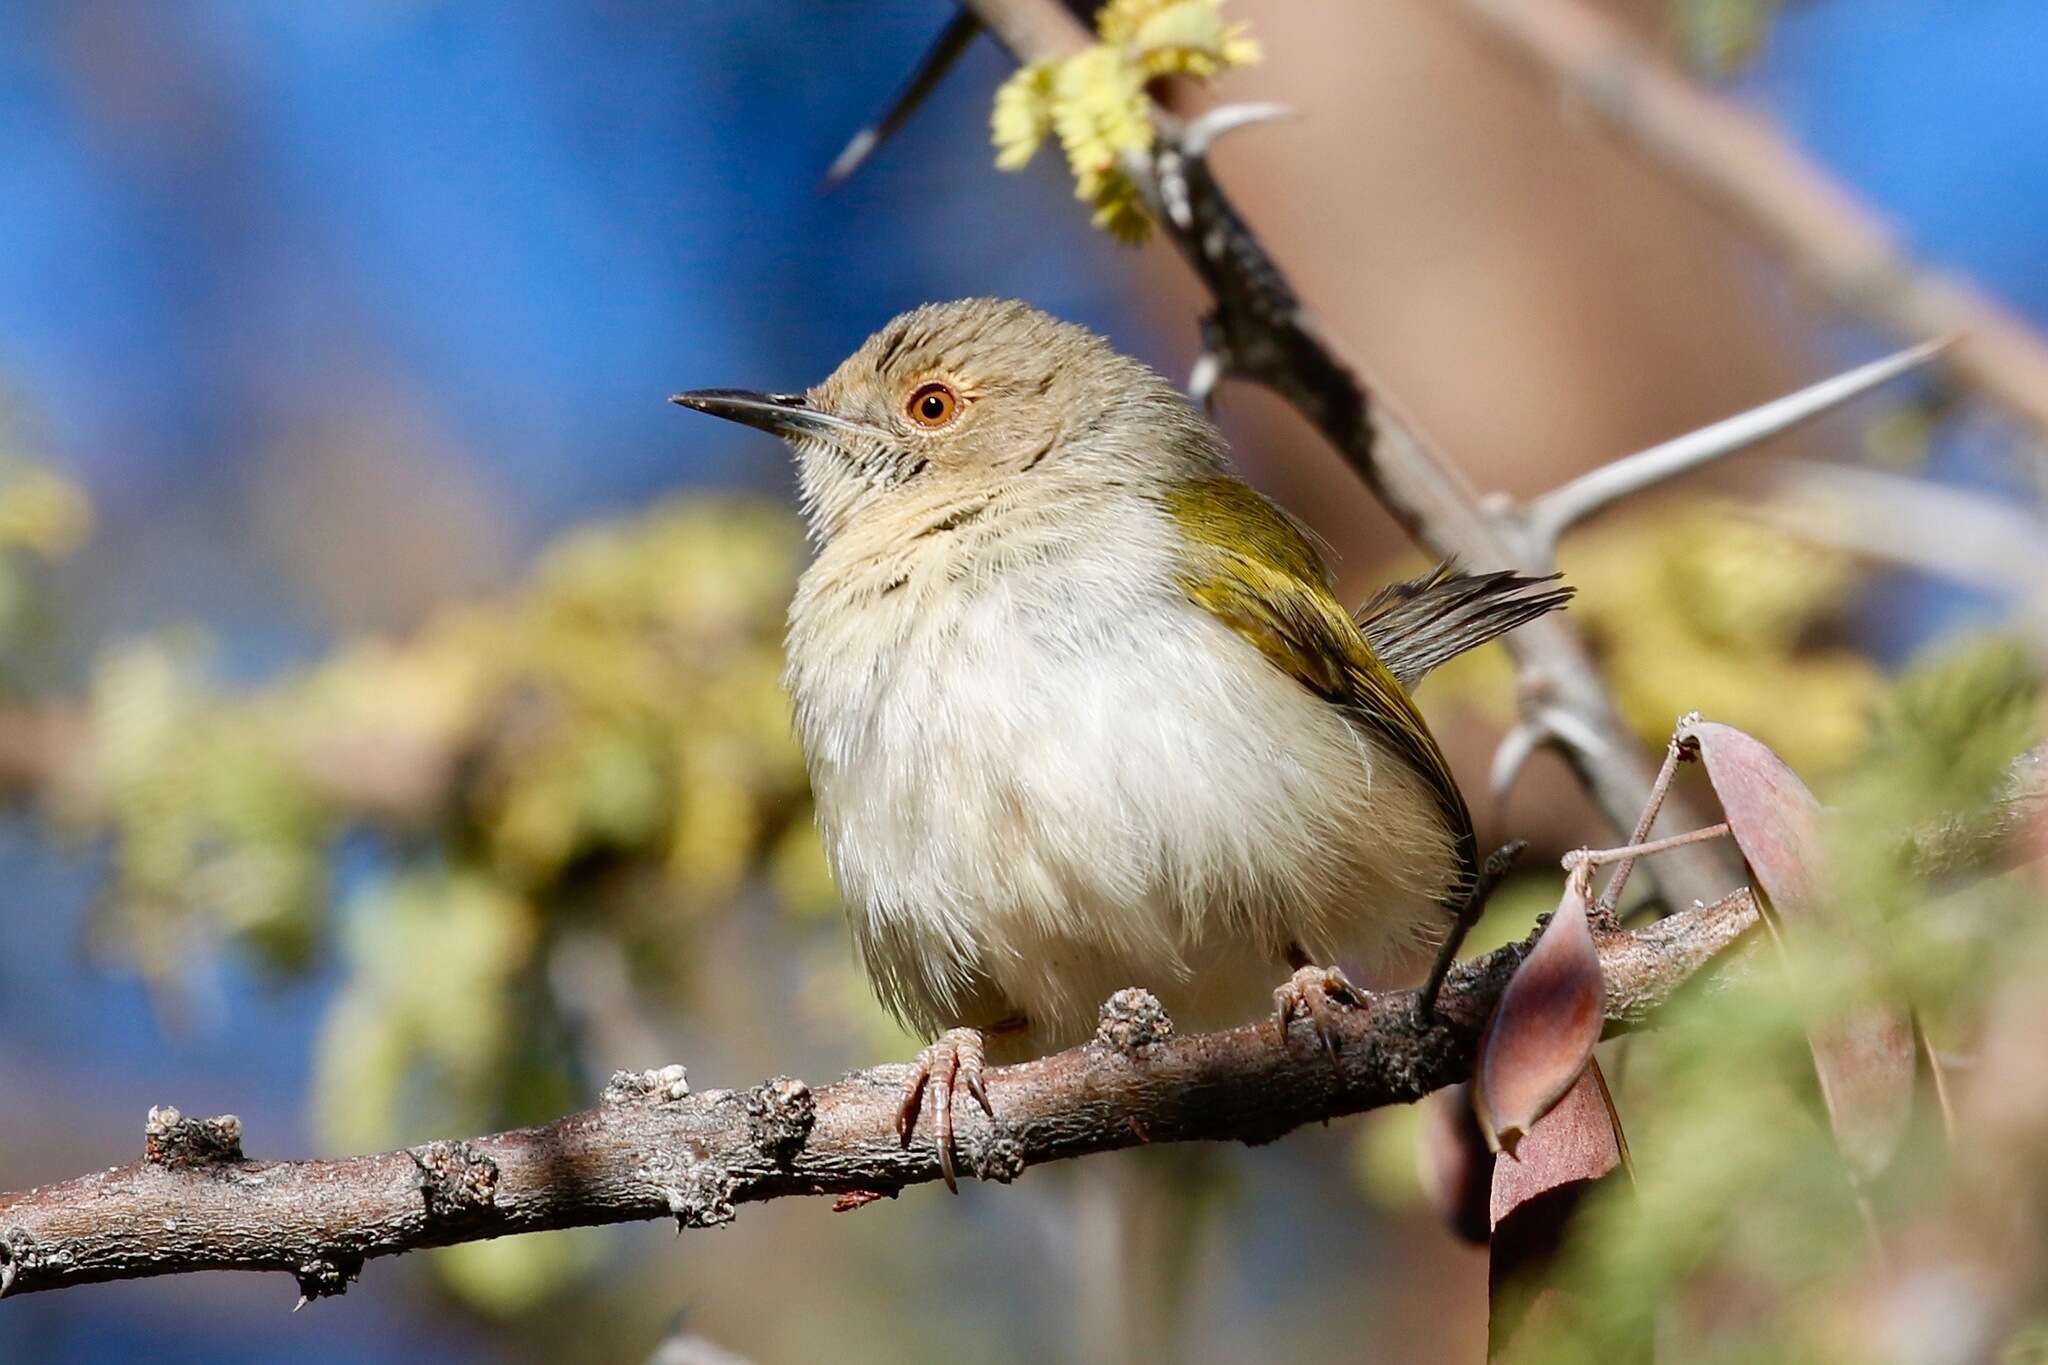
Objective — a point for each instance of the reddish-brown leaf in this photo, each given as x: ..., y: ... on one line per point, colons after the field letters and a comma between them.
x: 1864, y: 1062
x: 1543, y: 1029
x: 1535, y: 1193
x: 1865, y: 1065
x: 1455, y: 1163
x: 1774, y: 818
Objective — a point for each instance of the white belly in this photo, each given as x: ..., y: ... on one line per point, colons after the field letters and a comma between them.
x: 1057, y: 785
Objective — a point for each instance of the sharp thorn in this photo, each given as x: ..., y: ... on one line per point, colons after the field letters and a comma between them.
x: 1203, y: 133
x: 1550, y: 515
x: 851, y: 156
x: 1512, y: 755
x: 932, y: 67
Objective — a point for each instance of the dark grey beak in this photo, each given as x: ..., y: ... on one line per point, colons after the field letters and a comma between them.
x: 783, y: 414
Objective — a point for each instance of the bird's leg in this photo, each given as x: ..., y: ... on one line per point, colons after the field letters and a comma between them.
x: 954, y: 1061
x: 1316, y: 992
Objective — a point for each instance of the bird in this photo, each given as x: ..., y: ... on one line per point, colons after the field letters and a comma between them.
x: 1081, y: 709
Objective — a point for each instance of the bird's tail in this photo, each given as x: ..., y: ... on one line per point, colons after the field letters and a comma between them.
x: 1416, y: 625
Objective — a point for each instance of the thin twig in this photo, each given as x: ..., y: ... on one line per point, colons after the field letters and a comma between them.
x: 953, y: 41
x: 1600, y: 857
x: 1955, y: 532
x: 1674, y: 753
x: 1492, y: 873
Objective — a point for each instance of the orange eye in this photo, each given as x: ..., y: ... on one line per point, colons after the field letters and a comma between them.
x: 933, y: 405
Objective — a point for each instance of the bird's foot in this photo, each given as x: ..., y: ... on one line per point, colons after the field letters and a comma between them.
x: 1318, y: 993
x: 953, y: 1063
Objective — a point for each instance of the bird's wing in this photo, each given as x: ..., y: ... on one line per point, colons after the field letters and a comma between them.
x: 1418, y: 624
x: 1253, y: 569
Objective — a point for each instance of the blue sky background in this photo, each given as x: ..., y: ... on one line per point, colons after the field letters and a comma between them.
x: 523, y: 226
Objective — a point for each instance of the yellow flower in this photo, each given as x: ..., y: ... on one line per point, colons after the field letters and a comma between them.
x: 1181, y: 38
x: 1022, y: 118
x: 1095, y: 100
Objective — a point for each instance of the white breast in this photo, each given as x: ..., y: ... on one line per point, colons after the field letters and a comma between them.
x: 1042, y: 775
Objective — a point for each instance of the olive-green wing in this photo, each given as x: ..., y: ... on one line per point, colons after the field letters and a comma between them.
x: 1253, y: 569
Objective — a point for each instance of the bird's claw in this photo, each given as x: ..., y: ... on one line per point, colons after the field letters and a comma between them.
x: 1317, y: 992
x: 956, y: 1061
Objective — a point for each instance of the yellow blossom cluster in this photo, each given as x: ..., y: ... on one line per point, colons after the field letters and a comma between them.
x: 1095, y: 104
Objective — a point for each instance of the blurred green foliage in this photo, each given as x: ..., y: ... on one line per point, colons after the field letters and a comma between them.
x: 1695, y: 605
x: 1721, y: 37
x: 43, y: 518
x: 606, y: 749
x: 1744, y: 1235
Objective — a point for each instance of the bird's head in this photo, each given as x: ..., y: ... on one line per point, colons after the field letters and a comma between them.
x: 954, y: 400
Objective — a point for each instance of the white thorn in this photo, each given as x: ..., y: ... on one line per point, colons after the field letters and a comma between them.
x: 1516, y: 748
x: 852, y: 155
x: 1201, y: 134
x: 1567, y: 728
x: 1552, y: 514
x: 1935, y: 528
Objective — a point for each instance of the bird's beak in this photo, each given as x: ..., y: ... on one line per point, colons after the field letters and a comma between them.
x: 784, y: 414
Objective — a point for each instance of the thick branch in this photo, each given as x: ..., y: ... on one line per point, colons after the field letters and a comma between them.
x: 654, y: 1150
x: 1741, y: 163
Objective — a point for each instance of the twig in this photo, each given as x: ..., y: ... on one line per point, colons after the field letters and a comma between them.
x: 1492, y: 873
x: 1600, y: 857
x: 1969, y: 536
x: 654, y: 1150
x: 1746, y: 168
x: 1549, y: 516
x: 1674, y: 753
x: 953, y: 40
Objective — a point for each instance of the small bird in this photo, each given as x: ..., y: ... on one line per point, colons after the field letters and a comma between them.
x: 1080, y: 709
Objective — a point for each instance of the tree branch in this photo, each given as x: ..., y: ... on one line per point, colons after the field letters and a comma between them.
x: 1747, y: 169
x: 652, y: 1149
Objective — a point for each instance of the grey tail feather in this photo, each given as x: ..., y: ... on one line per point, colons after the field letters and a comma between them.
x: 1416, y: 625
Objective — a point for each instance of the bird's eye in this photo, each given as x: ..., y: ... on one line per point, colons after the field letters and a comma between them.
x: 934, y: 405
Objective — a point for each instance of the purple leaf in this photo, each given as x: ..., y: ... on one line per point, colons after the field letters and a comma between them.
x: 1535, y: 1193
x: 1544, y: 1027
x: 1865, y: 1065
x: 1774, y: 818
x: 1864, y: 1061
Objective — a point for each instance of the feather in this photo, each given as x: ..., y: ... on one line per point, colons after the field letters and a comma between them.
x: 1420, y: 624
